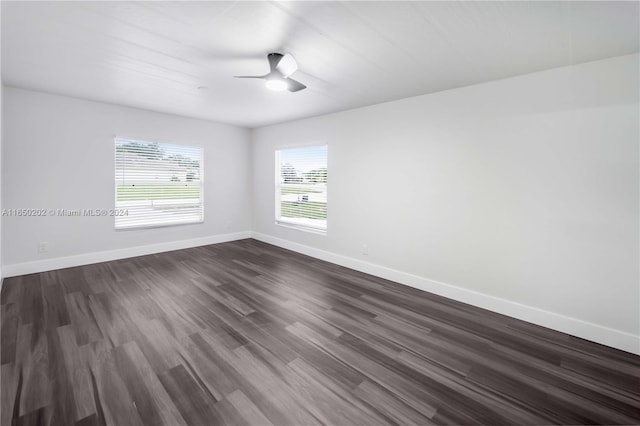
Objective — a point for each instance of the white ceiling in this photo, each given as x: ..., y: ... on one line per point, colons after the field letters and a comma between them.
x: 155, y: 55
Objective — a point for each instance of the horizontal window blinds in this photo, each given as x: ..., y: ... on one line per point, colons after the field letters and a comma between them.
x: 301, y: 187
x: 157, y: 184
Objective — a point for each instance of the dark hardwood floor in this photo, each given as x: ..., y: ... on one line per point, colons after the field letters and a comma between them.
x: 247, y: 333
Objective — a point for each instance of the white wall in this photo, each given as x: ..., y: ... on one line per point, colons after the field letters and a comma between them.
x: 59, y: 153
x: 1, y: 144
x: 522, y: 194
x: 1, y: 150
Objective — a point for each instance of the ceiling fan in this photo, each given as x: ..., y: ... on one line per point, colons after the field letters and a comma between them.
x: 282, y: 66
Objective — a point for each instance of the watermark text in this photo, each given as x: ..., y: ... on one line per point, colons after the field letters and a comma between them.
x: 64, y: 212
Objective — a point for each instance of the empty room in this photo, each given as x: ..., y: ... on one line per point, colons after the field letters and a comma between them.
x: 320, y: 213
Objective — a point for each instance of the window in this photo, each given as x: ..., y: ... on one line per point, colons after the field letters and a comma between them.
x: 301, y: 188
x: 157, y: 184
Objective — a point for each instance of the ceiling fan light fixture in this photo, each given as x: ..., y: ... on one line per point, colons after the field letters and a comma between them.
x: 287, y: 65
x: 276, y: 84
x: 278, y: 79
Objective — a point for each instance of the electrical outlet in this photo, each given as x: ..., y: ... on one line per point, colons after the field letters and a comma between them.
x: 365, y: 250
x: 43, y: 247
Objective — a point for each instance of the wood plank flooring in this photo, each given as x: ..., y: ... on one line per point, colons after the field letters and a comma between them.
x: 247, y: 333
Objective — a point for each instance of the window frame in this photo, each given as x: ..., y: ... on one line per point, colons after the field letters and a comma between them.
x: 291, y: 223
x: 157, y: 225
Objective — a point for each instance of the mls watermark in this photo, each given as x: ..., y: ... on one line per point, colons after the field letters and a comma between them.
x: 64, y: 212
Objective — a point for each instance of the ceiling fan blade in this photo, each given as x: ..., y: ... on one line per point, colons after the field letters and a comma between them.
x: 295, y: 86
x: 250, y: 76
x: 287, y: 65
x: 274, y: 60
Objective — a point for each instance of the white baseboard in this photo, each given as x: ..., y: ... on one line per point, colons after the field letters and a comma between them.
x: 596, y: 333
x: 105, y: 256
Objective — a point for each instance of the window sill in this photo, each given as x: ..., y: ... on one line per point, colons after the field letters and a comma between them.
x: 303, y: 228
x: 157, y: 225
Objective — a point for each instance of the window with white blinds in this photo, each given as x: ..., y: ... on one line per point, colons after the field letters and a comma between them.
x: 157, y: 184
x: 301, y: 188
